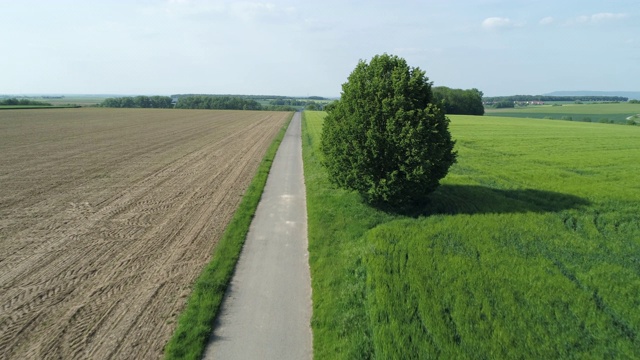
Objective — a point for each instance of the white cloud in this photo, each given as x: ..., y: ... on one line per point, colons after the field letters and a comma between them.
x: 607, y: 16
x: 495, y: 23
x: 547, y: 20
x: 249, y: 10
x: 182, y: 8
x: 246, y: 11
x: 581, y: 19
x: 596, y: 18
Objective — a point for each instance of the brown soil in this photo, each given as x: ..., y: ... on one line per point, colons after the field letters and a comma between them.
x: 107, y: 216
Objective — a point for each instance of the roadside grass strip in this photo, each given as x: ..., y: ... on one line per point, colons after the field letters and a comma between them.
x: 195, y: 324
x: 529, y: 249
x: 336, y: 220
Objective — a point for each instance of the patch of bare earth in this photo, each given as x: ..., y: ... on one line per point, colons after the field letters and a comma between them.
x: 107, y: 216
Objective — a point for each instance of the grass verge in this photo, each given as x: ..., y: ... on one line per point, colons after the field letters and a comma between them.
x: 529, y: 249
x: 336, y: 220
x: 195, y: 324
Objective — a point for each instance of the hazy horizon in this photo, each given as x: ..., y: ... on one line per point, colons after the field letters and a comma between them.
x: 628, y: 94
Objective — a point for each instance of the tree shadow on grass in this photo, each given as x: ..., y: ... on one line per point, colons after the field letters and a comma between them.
x: 475, y: 199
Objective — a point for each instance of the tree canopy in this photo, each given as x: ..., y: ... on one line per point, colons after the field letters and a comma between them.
x: 157, y: 102
x: 22, y: 102
x: 217, y: 102
x: 459, y: 101
x: 387, y: 137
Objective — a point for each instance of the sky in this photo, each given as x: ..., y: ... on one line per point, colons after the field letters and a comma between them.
x: 309, y: 48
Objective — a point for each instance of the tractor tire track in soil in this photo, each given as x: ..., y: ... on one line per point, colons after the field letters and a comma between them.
x: 107, y: 216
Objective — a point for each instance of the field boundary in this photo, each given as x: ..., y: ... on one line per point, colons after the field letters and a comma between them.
x: 619, y: 113
x: 33, y: 107
x: 195, y: 324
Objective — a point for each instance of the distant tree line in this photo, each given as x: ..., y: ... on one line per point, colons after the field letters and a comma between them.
x: 523, y: 98
x: 23, y: 102
x: 289, y: 102
x: 247, y: 102
x: 279, y: 108
x: 191, y: 102
x: 459, y: 101
x: 217, y: 102
x: 307, y: 104
x: 146, y: 102
x: 263, y: 98
x: 502, y: 104
x: 220, y: 102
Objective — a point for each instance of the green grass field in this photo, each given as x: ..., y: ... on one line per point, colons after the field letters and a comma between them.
x: 617, y: 113
x: 529, y: 249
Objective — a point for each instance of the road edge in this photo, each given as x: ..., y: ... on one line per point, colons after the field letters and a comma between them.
x: 195, y: 323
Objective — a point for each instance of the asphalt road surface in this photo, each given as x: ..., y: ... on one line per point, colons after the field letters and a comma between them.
x: 266, y: 312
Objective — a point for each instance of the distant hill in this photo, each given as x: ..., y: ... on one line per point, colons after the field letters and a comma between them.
x: 627, y: 94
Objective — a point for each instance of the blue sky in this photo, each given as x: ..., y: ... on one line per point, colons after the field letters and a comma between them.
x: 284, y: 47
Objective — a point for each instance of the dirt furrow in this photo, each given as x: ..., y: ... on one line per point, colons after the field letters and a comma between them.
x: 96, y: 259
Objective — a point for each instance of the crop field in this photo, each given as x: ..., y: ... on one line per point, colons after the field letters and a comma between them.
x: 107, y: 216
x: 31, y: 107
x: 616, y: 113
x: 81, y: 100
x: 529, y: 249
x: 56, y: 101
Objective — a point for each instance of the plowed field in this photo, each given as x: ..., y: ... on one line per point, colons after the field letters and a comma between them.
x: 106, y: 218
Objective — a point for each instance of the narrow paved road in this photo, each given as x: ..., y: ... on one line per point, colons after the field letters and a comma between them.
x: 266, y: 312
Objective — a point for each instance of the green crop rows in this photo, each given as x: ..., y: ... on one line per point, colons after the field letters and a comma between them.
x: 529, y: 249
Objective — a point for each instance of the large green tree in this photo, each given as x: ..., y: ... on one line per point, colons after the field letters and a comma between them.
x: 385, y: 137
